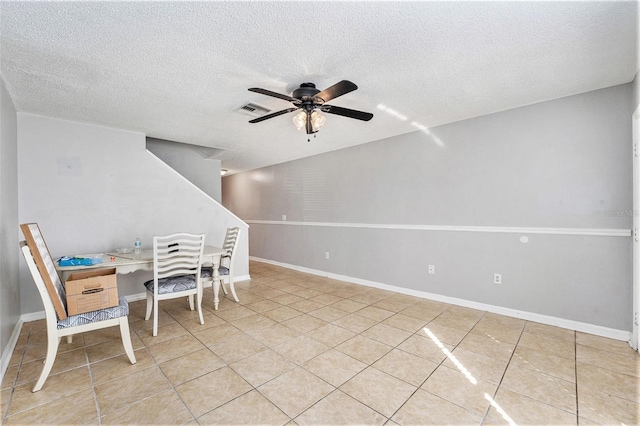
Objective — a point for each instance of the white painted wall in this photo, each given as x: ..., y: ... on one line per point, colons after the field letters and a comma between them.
x: 93, y: 188
x: 9, y: 285
x: 636, y: 89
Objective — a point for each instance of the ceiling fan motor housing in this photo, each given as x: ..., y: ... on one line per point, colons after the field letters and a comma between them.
x: 305, y: 92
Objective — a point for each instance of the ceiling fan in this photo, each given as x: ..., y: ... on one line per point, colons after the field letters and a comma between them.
x: 309, y: 100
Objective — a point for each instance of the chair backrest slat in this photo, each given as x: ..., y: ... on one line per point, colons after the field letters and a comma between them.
x: 46, y: 268
x: 177, y: 254
x: 229, y: 246
x: 230, y: 239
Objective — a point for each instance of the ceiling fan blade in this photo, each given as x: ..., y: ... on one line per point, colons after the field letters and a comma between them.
x: 346, y: 112
x: 341, y: 88
x: 274, y: 94
x: 273, y: 114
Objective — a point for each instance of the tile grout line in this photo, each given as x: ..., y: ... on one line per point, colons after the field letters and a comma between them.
x: 545, y: 374
x: 5, y: 415
x: 396, y: 347
x: 225, y: 365
x: 93, y: 385
x: 332, y: 392
x: 439, y: 365
x: 337, y: 388
x: 299, y: 365
x: 495, y: 393
x: 145, y: 344
x: 156, y: 364
x: 173, y: 387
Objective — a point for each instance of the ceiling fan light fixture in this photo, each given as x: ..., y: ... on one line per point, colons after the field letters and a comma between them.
x: 308, y: 101
x: 317, y: 120
x: 300, y: 119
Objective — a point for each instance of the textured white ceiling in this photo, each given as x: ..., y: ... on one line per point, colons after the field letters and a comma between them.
x: 180, y: 70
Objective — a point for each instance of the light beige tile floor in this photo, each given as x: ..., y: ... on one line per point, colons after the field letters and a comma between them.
x: 301, y: 349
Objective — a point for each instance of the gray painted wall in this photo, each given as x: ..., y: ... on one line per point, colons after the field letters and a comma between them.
x: 203, y: 172
x: 559, y: 164
x: 9, y: 284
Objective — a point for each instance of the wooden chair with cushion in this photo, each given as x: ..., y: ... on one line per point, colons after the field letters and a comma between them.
x: 53, y: 295
x: 226, y: 272
x: 176, y: 272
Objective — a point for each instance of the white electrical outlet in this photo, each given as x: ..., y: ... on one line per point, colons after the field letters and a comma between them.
x: 432, y: 269
x: 284, y: 217
x: 497, y: 278
x: 326, y: 255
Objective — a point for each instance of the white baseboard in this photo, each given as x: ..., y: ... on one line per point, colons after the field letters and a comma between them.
x: 136, y: 297
x: 8, y: 350
x: 33, y: 316
x: 529, y: 316
x: 242, y: 278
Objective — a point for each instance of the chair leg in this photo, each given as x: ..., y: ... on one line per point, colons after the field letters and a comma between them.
x: 199, y: 302
x: 155, y: 317
x: 233, y: 289
x: 191, y: 301
x: 53, y: 342
x: 126, y: 339
x: 149, y: 306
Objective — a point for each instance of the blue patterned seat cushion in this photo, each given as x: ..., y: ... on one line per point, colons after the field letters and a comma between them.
x: 173, y: 284
x: 207, y: 271
x: 122, y: 310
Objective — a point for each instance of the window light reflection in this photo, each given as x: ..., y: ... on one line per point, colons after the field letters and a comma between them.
x: 425, y: 129
x: 419, y: 126
x: 499, y: 409
x: 392, y: 112
x: 451, y: 356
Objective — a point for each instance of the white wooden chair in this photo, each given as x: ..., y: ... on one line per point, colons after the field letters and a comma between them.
x: 52, y: 292
x: 226, y: 272
x: 176, y: 272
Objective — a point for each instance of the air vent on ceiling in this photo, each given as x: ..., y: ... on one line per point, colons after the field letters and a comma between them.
x: 254, y: 110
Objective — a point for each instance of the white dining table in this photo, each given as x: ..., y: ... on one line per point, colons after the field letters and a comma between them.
x: 126, y: 263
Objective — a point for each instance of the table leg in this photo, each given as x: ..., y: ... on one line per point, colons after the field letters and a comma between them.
x: 216, y: 291
x: 216, y: 284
